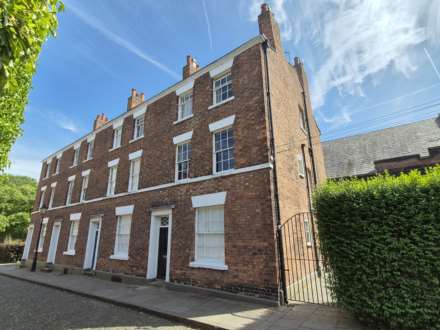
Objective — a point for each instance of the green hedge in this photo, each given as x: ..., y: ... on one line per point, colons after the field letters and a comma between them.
x: 381, y: 238
x: 10, y: 252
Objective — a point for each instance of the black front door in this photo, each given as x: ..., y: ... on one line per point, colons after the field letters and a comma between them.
x: 95, y: 244
x: 162, y: 254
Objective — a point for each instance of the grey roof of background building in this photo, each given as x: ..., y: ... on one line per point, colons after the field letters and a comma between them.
x: 355, y: 155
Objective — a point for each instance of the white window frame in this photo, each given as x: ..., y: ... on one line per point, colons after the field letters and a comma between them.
x: 214, y: 155
x: 73, y: 237
x: 90, y: 147
x: 57, y: 168
x: 185, y: 100
x: 212, y: 262
x: 42, y: 197
x: 188, y: 160
x: 48, y: 168
x: 301, y: 166
x: 84, y: 187
x: 308, y: 232
x: 138, y: 131
x: 52, y: 194
x: 122, y: 255
x: 215, y: 200
x: 70, y: 186
x: 111, y: 181
x: 117, y: 137
x: 302, y: 118
x: 76, y: 151
x: 219, y: 88
x: 43, y: 229
x: 133, y: 182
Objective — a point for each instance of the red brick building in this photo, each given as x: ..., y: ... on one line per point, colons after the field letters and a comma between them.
x: 190, y: 185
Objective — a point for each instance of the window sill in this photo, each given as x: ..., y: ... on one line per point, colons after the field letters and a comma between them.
x: 71, y: 166
x: 221, y: 103
x: 118, y: 257
x: 88, y: 159
x: 138, y: 138
x: 69, y: 253
x: 182, y: 180
x: 224, y: 172
x: 40, y: 250
x: 182, y: 119
x: 115, y: 148
x: 209, y: 265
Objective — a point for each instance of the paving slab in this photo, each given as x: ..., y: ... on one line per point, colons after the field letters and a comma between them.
x: 197, y: 309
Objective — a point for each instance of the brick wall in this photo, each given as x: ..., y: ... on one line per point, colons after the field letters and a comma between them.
x: 250, y: 249
x: 250, y: 225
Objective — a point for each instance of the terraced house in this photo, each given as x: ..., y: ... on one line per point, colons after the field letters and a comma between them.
x: 189, y: 186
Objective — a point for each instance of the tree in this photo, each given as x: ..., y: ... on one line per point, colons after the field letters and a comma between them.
x: 24, y: 26
x: 17, y: 194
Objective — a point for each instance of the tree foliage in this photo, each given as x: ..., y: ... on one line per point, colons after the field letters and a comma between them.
x: 24, y: 26
x: 17, y: 194
x: 381, y: 239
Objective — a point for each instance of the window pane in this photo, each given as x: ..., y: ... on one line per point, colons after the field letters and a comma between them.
x: 183, y: 160
x: 223, y: 88
x: 123, y: 235
x: 224, y: 150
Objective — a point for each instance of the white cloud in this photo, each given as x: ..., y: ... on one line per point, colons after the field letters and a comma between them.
x: 58, y: 118
x: 340, y: 119
x: 355, y: 39
x: 118, y: 40
x: 433, y: 24
x: 25, y: 166
x: 66, y: 123
x: 361, y: 38
x: 434, y: 67
x: 208, y: 23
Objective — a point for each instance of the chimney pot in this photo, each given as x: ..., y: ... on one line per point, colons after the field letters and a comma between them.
x: 100, y: 121
x: 135, y: 99
x: 269, y: 28
x: 191, y: 66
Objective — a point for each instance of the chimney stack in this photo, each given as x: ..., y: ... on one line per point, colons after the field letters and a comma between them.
x: 100, y: 121
x: 269, y: 27
x: 135, y: 99
x: 190, y: 67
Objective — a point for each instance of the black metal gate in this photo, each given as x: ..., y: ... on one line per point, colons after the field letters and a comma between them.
x: 305, y: 277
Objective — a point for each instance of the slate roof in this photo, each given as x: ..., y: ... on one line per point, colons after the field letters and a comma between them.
x: 355, y: 155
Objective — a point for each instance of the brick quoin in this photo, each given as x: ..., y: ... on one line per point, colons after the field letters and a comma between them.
x: 250, y: 223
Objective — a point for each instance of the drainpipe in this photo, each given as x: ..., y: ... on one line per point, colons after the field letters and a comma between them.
x: 309, y: 191
x: 279, y: 241
x: 299, y: 64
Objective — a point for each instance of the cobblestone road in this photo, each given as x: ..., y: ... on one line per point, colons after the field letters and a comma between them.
x: 29, y: 306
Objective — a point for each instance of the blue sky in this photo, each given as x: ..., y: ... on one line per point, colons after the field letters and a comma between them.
x: 371, y: 64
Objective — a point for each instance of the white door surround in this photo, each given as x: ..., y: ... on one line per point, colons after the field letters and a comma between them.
x: 153, y: 248
x: 51, y: 255
x: 27, y: 244
x: 92, y: 246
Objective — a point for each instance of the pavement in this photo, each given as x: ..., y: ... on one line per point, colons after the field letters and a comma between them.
x: 26, y: 306
x: 193, y: 309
